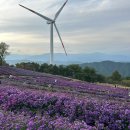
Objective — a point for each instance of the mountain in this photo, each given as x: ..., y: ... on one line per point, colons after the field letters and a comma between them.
x: 70, y: 59
x: 108, y: 67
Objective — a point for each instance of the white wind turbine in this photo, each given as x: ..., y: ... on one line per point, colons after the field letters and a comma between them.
x: 51, y: 22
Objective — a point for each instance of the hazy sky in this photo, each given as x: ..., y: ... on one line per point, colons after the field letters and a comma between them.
x: 86, y: 26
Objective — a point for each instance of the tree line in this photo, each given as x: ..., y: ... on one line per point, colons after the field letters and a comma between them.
x: 72, y: 71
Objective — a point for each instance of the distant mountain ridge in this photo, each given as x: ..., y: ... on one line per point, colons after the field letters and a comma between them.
x: 108, y: 67
x: 60, y: 58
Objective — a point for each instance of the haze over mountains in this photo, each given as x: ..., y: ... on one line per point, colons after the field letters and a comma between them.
x: 60, y: 58
x: 104, y: 64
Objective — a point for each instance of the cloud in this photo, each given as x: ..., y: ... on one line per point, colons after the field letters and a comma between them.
x: 85, y: 25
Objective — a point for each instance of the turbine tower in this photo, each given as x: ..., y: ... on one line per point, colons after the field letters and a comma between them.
x: 52, y: 23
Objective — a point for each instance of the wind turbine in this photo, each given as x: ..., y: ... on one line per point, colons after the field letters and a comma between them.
x: 52, y: 23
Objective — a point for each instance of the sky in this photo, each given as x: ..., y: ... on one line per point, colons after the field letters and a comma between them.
x: 86, y: 26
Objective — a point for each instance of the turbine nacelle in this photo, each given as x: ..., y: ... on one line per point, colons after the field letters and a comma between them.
x: 50, y: 22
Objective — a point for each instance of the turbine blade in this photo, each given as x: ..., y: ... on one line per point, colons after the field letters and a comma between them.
x: 60, y: 38
x: 46, y: 18
x: 57, y: 14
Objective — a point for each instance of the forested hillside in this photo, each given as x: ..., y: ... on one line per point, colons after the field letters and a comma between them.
x: 108, y: 67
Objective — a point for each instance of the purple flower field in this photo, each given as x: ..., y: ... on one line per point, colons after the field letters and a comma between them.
x: 35, y: 101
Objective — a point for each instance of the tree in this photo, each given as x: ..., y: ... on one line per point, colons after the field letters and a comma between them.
x: 116, y: 76
x: 29, y: 66
x: 73, y: 70
x: 62, y: 70
x: 55, y: 70
x: 90, y: 74
x: 3, y: 52
x: 44, y: 68
x: 100, y: 78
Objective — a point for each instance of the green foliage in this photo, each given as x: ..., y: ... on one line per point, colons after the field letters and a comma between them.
x: 89, y: 74
x: 127, y: 78
x: 62, y: 70
x: 116, y: 76
x: 125, y: 82
x: 29, y: 66
x: 3, y: 52
x: 44, y: 68
x: 101, y: 78
x: 106, y: 68
x: 72, y: 71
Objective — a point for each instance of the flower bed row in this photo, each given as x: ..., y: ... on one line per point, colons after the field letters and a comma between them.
x: 60, y: 111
